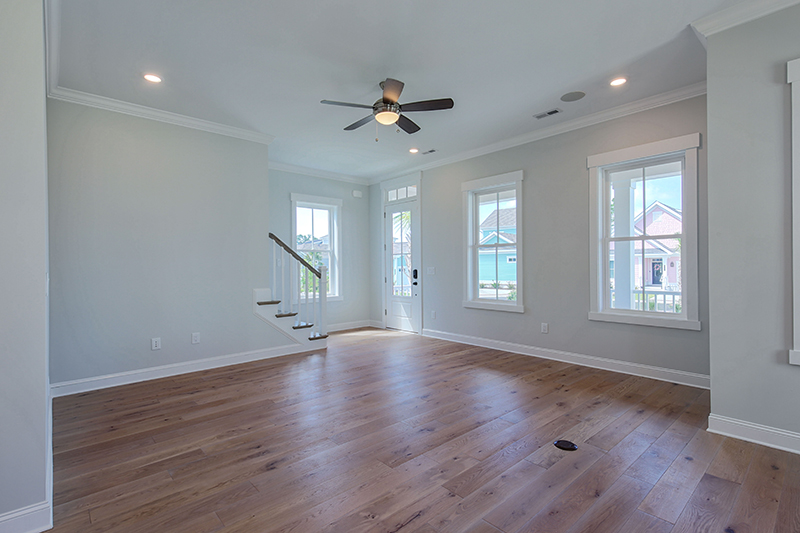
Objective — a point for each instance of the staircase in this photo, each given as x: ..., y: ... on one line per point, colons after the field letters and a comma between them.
x: 296, y: 305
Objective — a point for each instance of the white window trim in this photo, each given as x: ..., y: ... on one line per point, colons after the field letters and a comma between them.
x: 335, y: 205
x: 687, y: 146
x: 793, y: 78
x: 469, y: 188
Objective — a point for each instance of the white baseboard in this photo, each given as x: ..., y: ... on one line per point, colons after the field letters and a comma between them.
x: 765, y: 435
x: 624, y: 367
x: 31, y: 519
x: 355, y: 325
x: 66, y: 388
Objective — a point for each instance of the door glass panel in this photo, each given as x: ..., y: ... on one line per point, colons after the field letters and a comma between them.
x: 401, y: 253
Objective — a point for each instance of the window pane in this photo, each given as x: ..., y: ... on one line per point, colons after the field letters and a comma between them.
x: 662, y: 276
x: 322, y: 229
x: 664, y: 198
x: 487, y: 215
x: 626, y: 202
x: 488, y: 285
x: 507, y: 273
x: 624, y: 279
x: 393, y: 195
x: 401, y: 193
x: 412, y: 191
x: 304, y: 225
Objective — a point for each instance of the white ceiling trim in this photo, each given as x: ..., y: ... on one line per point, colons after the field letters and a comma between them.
x: 739, y: 14
x: 53, y: 41
x: 316, y: 173
x: 110, y: 104
x: 690, y: 91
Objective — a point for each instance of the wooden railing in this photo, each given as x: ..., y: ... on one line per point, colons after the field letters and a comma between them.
x: 300, y: 289
x: 655, y: 300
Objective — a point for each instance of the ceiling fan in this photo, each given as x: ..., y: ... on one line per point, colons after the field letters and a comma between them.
x: 387, y: 110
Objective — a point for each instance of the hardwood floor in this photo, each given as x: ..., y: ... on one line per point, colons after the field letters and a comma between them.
x: 391, y: 432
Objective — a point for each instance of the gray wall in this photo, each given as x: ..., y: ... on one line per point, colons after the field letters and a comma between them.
x: 749, y: 207
x: 556, y: 254
x: 24, y: 390
x: 156, y: 231
x: 354, y: 307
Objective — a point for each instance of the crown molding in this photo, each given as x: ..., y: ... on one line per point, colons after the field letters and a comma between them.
x: 738, y: 14
x: 316, y: 173
x: 52, y: 17
x: 136, y: 110
x: 671, y: 97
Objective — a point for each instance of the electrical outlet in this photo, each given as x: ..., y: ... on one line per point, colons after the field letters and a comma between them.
x: 196, y: 338
x: 433, y: 314
x: 545, y: 327
x: 155, y: 343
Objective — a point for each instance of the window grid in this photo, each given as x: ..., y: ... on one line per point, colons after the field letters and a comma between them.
x: 644, y: 301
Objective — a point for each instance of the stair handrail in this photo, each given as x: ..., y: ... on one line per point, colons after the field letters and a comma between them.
x: 295, y: 255
x: 287, y: 292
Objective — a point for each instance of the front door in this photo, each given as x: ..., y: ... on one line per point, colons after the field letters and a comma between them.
x: 403, y: 279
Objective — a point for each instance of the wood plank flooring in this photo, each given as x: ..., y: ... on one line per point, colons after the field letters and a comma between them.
x: 389, y: 432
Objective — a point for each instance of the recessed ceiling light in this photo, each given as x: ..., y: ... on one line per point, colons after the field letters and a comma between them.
x: 414, y: 150
x: 152, y: 78
x: 617, y: 82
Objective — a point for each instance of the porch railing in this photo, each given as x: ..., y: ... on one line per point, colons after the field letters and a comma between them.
x: 653, y: 300
x: 300, y: 289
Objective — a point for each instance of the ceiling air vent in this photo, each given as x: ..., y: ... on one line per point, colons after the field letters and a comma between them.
x: 428, y: 152
x: 548, y: 114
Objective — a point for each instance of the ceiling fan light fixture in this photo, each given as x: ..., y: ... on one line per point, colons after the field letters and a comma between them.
x: 386, y: 113
x: 387, y: 118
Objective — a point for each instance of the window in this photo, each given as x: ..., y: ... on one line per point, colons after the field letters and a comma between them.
x: 316, y: 235
x: 492, y: 208
x: 644, y: 234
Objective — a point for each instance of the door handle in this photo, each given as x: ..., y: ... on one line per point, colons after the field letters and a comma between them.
x: 414, y: 274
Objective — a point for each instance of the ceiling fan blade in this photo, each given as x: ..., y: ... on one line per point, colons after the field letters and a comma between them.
x: 392, y: 89
x: 356, y: 125
x: 407, y: 125
x: 428, y: 105
x: 345, y: 104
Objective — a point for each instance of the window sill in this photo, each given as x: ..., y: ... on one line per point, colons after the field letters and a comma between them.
x: 646, y: 320
x: 494, y: 306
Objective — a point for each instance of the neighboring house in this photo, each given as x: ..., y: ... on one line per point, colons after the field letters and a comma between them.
x: 499, y: 227
x: 662, y: 260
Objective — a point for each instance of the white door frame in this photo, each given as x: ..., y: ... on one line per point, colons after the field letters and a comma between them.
x: 413, y: 180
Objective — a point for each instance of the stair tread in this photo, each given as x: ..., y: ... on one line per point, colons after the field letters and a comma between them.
x: 283, y: 315
x: 303, y: 325
x: 269, y: 302
x: 317, y: 337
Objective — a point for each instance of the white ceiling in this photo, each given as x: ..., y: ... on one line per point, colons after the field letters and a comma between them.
x: 263, y: 66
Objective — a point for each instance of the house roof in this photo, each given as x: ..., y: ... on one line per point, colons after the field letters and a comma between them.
x: 507, y: 219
